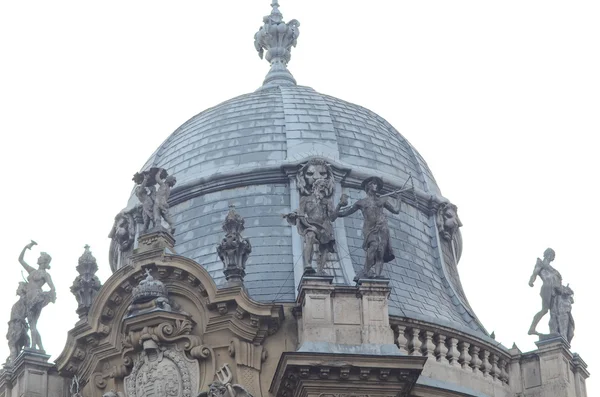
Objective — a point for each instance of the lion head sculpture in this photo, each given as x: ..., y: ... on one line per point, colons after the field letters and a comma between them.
x: 448, y: 221
x: 312, y: 171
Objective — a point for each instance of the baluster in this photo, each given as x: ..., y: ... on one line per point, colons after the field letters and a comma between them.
x: 475, y: 361
x: 401, y: 340
x: 453, y: 353
x: 441, y: 350
x: 495, y: 369
x: 486, y: 366
x: 465, y: 357
x: 415, y: 342
x: 503, y: 371
x: 428, y: 347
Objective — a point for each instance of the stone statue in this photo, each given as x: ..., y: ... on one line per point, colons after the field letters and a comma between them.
x: 86, y: 285
x: 17, y: 326
x: 376, y: 233
x: 316, y: 212
x: 561, y: 320
x: 122, y: 237
x: 234, y: 249
x: 35, y: 297
x: 161, y: 205
x: 556, y: 298
x: 448, y: 224
x: 223, y: 387
x: 145, y: 192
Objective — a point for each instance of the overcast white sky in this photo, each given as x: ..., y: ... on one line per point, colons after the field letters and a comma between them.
x: 501, y: 98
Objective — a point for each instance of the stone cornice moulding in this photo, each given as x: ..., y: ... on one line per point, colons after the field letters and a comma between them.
x: 99, y: 336
x: 348, y: 175
x: 304, y: 374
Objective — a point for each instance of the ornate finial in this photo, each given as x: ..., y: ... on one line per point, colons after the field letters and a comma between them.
x: 277, y: 38
x: 86, y: 285
x: 234, y: 249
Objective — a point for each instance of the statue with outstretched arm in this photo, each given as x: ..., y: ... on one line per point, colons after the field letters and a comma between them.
x: 551, y: 283
x: 35, y: 297
x: 376, y: 232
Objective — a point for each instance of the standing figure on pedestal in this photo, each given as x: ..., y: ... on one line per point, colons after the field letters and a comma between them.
x: 551, y: 283
x: 161, y: 202
x: 315, y: 213
x: 17, y: 326
x: 145, y: 192
x: 35, y: 297
x: 376, y: 232
x: 561, y: 319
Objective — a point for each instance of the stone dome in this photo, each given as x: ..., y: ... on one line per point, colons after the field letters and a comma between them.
x: 241, y: 151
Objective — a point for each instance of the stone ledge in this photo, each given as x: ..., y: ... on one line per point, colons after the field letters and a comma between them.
x: 303, y: 374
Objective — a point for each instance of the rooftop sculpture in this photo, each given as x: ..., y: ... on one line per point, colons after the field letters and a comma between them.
x: 17, y: 326
x: 234, y: 249
x: 376, y: 232
x: 86, y: 285
x: 556, y: 298
x: 315, y: 213
x: 35, y: 297
x: 155, y: 206
x: 277, y: 38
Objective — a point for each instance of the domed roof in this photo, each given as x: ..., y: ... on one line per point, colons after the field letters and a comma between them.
x: 287, y: 123
x: 245, y: 152
x: 237, y: 152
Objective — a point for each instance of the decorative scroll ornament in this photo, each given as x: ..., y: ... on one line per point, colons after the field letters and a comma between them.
x: 277, y: 38
x: 234, y: 249
x: 86, y: 285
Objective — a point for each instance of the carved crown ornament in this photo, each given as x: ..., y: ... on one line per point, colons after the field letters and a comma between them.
x: 113, y: 333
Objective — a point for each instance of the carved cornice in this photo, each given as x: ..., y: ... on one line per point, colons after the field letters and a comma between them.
x: 301, y: 374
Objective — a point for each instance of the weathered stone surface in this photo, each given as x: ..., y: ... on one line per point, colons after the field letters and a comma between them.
x: 234, y: 249
x: 375, y: 230
x: 35, y: 297
x: 556, y: 299
x: 17, y: 325
x: 86, y: 285
x: 316, y: 186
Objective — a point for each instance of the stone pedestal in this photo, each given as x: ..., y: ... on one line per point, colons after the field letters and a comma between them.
x: 153, y: 243
x: 552, y: 370
x: 344, y: 315
x: 345, y: 339
x: 31, y: 375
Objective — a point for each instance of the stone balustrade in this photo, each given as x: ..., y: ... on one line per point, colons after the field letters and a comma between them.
x: 453, y: 348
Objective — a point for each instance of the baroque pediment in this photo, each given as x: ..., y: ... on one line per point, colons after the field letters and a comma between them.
x: 108, y: 343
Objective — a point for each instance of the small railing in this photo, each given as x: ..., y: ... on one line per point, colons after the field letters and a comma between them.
x: 453, y: 348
